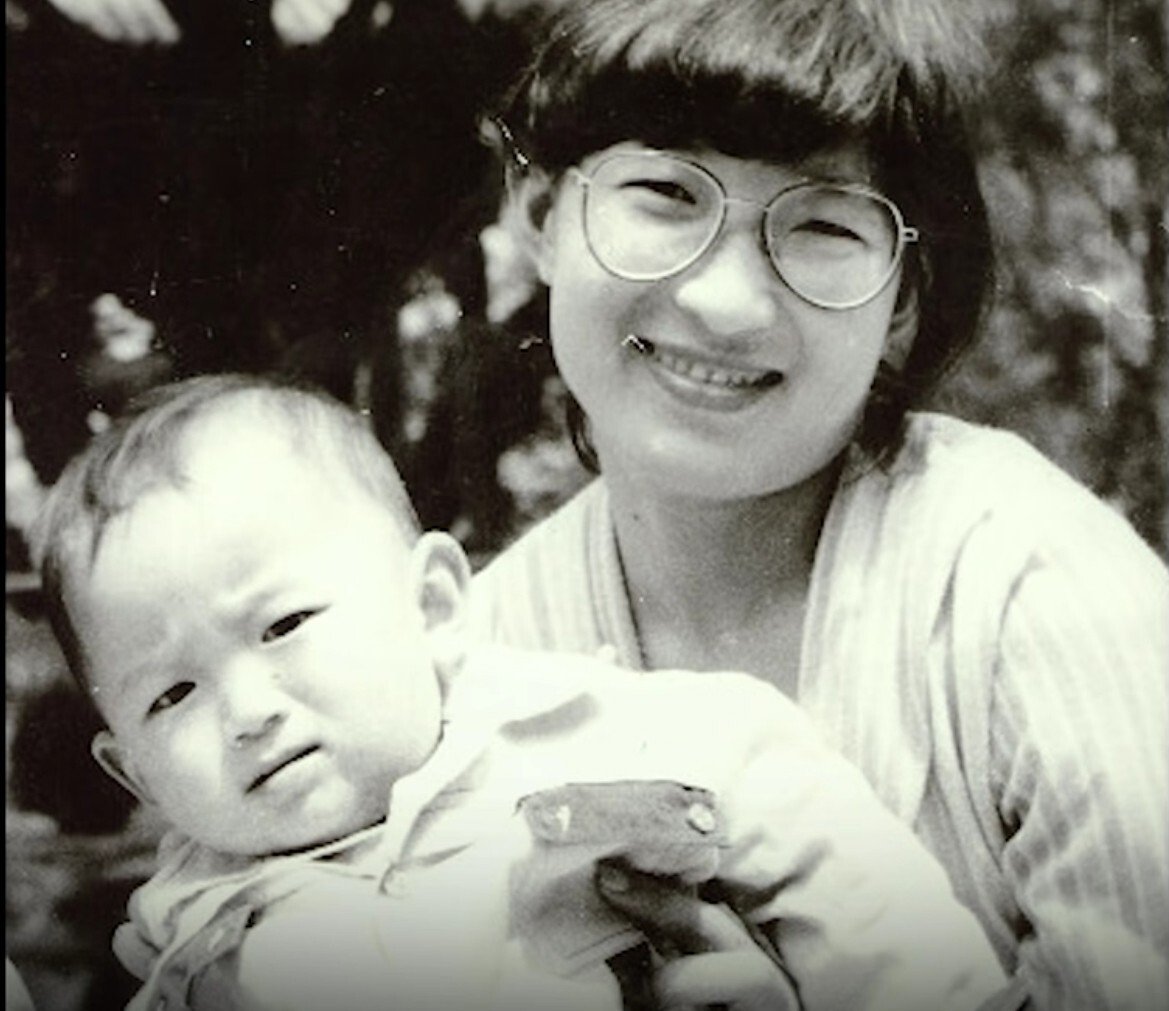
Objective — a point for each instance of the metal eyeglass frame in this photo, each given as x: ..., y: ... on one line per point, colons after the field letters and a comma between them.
x: 905, y: 234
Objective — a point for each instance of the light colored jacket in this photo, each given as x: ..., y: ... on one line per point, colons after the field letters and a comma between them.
x: 989, y: 643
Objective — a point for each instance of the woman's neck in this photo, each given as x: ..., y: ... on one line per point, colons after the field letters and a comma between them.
x: 719, y: 584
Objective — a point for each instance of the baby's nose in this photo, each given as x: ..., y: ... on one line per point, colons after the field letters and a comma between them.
x: 252, y: 706
x: 245, y: 732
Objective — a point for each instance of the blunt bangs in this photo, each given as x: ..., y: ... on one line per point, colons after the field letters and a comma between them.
x: 754, y: 79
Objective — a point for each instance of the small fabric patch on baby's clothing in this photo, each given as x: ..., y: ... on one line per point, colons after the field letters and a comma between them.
x: 656, y: 826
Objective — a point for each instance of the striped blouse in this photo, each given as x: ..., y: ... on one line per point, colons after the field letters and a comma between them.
x: 990, y: 644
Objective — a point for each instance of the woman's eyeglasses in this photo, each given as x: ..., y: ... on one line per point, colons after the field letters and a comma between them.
x: 649, y: 215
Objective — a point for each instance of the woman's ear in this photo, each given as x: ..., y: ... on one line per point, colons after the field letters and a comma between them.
x: 109, y: 755
x: 902, y: 325
x: 441, y: 578
x: 530, y: 214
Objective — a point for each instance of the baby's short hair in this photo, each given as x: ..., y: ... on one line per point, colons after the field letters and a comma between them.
x: 144, y: 450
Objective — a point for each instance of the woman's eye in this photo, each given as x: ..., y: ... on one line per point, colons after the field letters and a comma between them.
x: 830, y: 229
x: 662, y: 188
x: 288, y: 624
x: 171, y: 697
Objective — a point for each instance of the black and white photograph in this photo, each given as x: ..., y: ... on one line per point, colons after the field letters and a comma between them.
x: 587, y: 505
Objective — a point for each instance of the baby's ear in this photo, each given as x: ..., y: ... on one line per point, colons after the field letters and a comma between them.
x: 110, y: 756
x: 442, y: 577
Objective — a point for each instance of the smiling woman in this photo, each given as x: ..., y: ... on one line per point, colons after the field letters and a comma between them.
x: 728, y: 352
x: 764, y: 241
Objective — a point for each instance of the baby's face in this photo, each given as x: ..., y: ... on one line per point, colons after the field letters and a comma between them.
x: 256, y: 647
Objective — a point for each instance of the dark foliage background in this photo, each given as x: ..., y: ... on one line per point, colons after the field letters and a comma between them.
x: 1076, y: 170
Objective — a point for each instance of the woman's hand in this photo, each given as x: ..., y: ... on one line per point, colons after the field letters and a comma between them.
x: 709, y: 956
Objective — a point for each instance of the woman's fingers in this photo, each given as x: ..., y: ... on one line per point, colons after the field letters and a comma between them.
x: 712, y: 957
x: 672, y: 917
x: 742, y: 980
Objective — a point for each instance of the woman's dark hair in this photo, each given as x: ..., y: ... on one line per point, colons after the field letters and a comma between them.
x: 777, y: 80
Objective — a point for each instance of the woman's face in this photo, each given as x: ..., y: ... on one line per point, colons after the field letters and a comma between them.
x: 717, y: 382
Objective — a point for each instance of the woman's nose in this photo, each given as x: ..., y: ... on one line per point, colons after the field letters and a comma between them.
x: 733, y: 286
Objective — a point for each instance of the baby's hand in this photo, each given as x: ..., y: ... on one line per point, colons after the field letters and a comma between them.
x: 709, y: 955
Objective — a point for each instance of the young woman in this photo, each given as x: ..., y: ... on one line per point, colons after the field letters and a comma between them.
x: 764, y: 242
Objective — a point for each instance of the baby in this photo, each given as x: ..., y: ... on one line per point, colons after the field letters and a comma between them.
x: 370, y: 810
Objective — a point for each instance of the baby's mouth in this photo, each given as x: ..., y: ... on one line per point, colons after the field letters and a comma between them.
x: 282, y: 764
x: 700, y: 371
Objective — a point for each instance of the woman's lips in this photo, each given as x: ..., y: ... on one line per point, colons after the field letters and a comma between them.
x: 711, y: 375
x: 717, y: 375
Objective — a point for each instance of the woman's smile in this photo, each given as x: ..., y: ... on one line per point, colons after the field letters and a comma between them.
x: 719, y: 379
x: 701, y: 380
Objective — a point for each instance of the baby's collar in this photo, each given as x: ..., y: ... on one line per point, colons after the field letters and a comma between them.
x: 481, y: 692
x: 486, y: 694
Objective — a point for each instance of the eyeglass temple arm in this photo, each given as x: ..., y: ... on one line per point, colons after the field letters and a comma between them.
x: 521, y: 160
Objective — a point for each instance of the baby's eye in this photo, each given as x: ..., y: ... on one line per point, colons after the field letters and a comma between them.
x: 171, y: 697
x: 288, y: 624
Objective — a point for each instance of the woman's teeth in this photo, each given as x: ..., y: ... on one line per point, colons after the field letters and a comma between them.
x: 701, y: 372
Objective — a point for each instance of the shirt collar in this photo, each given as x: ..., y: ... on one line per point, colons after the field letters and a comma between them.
x: 494, y: 688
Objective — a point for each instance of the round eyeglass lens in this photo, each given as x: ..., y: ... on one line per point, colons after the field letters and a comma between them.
x: 834, y: 245
x: 648, y: 216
